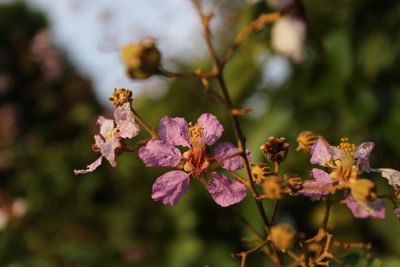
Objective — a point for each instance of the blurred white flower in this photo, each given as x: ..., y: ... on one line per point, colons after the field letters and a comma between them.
x: 19, y: 207
x: 280, y: 4
x: 288, y: 35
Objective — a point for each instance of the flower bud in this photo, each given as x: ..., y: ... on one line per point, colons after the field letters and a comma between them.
x: 141, y: 60
x: 260, y: 172
x: 121, y: 96
x: 306, y: 140
x: 294, y: 183
x: 275, y: 149
x: 272, y: 187
x: 282, y: 236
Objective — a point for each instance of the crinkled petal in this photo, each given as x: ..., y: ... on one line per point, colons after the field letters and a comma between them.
x: 212, y: 128
x: 170, y: 187
x: 106, y: 125
x: 374, y: 209
x: 225, y: 152
x: 321, y: 153
x: 158, y: 153
x: 90, y: 167
x: 393, y: 177
x: 98, y: 140
x: 319, y: 187
x: 336, y: 153
x: 361, y: 155
x: 225, y: 191
x: 174, y: 131
x: 107, y: 149
x: 125, y: 121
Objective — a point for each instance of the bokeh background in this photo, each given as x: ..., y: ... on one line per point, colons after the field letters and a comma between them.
x: 332, y: 67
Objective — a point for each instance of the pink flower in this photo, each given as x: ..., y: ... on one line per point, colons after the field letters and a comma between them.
x: 109, y: 139
x: 195, y: 161
x: 346, y: 164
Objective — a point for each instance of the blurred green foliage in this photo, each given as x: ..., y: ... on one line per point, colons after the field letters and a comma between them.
x: 347, y: 86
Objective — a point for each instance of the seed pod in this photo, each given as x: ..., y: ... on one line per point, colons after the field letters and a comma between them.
x: 306, y: 140
x: 275, y: 149
x: 121, y: 96
x: 294, y: 183
x: 260, y: 172
x: 141, y: 60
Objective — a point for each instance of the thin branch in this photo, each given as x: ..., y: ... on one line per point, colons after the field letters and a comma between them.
x: 324, y: 224
x: 275, y: 211
x: 144, y: 124
x: 187, y: 75
x: 257, y: 24
x: 205, y: 21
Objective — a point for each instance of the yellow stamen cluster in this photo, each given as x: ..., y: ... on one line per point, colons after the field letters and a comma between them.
x: 306, y: 140
x: 346, y: 169
x: 111, y: 134
x: 346, y: 146
x: 196, y: 132
x: 121, y: 96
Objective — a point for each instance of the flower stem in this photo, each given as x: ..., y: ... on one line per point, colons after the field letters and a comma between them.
x: 324, y: 224
x: 144, y: 124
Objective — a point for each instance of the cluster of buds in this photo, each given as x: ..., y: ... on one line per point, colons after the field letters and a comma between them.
x: 275, y: 149
x: 142, y: 59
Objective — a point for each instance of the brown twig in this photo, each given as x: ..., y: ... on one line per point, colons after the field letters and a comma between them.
x: 324, y: 224
x: 188, y: 75
x: 244, y: 254
x: 257, y: 24
x: 144, y: 124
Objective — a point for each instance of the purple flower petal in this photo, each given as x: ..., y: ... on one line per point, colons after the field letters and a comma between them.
x: 158, y: 153
x: 90, y: 167
x: 174, y: 131
x: 212, y: 128
x: 106, y: 125
x: 125, y: 121
x: 107, y: 149
x: 170, y: 187
x: 323, y: 153
x: 393, y: 177
x: 374, y: 209
x: 224, y: 153
x: 317, y: 188
x: 225, y: 191
x: 361, y: 155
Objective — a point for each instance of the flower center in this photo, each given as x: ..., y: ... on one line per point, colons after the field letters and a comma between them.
x: 346, y: 146
x: 111, y: 134
x: 196, y: 157
x: 346, y: 170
